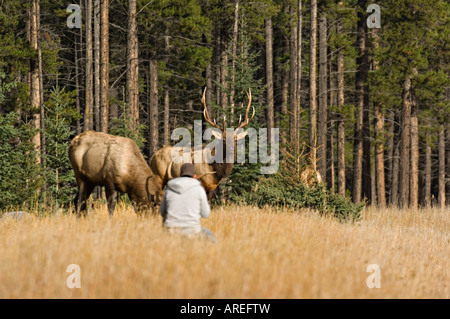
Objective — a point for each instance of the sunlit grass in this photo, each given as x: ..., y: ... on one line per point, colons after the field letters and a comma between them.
x: 260, y: 253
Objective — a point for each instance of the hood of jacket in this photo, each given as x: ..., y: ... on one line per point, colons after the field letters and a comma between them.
x: 182, y: 184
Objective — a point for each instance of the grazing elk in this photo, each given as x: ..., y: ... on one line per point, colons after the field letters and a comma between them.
x: 115, y: 162
x: 209, y: 174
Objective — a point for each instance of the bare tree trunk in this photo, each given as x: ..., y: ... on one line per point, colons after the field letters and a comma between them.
x: 299, y: 71
x: 389, y: 154
x: 395, y: 162
x: 414, y: 179
x: 166, y: 90
x: 217, y: 56
x: 223, y: 77
x: 96, y: 125
x: 331, y: 181
x: 284, y: 93
x: 233, y: 57
x: 41, y: 91
x: 293, y: 79
x: 79, y: 74
x: 269, y: 77
x: 153, y: 107
x: 323, y: 100
x: 340, y: 120
x: 379, y: 138
x: 379, y: 156
x: 104, y: 66
x: 77, y: 87
x: 88, y: 124
x: 361, y: 80
x: 97, y: 89
x: 41, y: 105
x: 447, y: 152
x: 367, y: 166
x: 405, y: 144
x: 441, y: 172
x: 427, y: 182
x: 34, y: 77
x: 114, y: 107
x: 312, y: 136
x: 132, y: 84
x: 166, y: 115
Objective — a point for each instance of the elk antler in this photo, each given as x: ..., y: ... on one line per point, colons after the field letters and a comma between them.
x: 240, y: 125
x: 247, y: 120
x: 205, y: 112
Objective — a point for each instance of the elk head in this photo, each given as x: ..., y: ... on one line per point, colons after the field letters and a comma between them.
x: 238, y: 132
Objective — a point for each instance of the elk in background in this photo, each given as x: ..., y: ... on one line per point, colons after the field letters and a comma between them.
x: 209, y: 174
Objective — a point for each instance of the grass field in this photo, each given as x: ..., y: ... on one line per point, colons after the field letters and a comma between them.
x: 260, y: 253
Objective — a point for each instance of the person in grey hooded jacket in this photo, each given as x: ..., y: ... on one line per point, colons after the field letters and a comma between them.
x: 184, y: 203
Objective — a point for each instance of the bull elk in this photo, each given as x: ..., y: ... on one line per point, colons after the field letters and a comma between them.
x: 115, y: 162
x: 209, y: 174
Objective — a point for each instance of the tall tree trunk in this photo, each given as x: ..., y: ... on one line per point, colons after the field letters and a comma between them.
x: 447, y: 153
x: 323, y: 99
x: 331, y: 181
x: 379, y: 155
x: 34, y: 77
x: 299, y: 72
x: 367, y: 166
x: 233, y: 58
x: 269, y: 77
x: 224, y: 76
x: 77, y: 84
x: 132, y: 84
x: 284, y: 93
x: 104, y: 66
x: 414, y: 179
x: 394, y: 194
x: 340, y: 120
x: 217, y: 57
x: 97, y: 88
x: 79, y: 72
x: 427, y: 182
x: 284, y: 85
x: 441, y: 164
x: 379, y: 137
x: 41, y: 91
x: 361, y: 80
x: 389, y: 154
x: 293, y: 78
x: 405, y: 144
x: 166, y: 89
x: 89, y: 98
x: 41, y: 105
x: 153, y: 107
x: 312, y: 136
x: 114, y: 112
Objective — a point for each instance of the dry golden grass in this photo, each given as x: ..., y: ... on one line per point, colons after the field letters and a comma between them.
x: 259, y: 254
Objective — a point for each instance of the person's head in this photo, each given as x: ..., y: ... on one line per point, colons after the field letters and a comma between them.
x: 188, y: 170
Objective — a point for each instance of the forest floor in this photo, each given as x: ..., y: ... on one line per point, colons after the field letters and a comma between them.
x: 259, y: 253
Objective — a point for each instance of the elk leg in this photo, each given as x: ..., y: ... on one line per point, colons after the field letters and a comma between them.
x: 75, y: 202
x: 83, y: 195
x: 111, y: 193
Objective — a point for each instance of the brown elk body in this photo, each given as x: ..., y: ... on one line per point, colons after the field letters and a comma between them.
x: 209, y: 174
x: 115, y: 162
